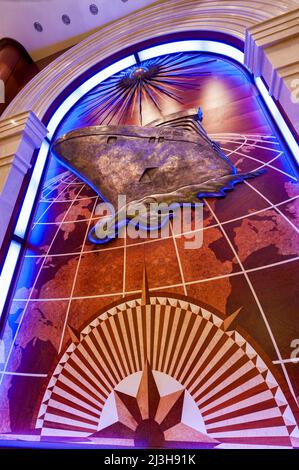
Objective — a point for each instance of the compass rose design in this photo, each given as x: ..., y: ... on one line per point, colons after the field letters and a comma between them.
x: 107, y: 388
x: 152, y: 420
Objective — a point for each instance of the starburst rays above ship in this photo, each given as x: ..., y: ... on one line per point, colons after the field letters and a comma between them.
x: 149, y: 81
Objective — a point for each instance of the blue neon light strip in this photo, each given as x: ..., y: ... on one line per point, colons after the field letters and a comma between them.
x: 28, y: 203
x: 8, y: 271
x: 215, y: 47
x: 278, y: 118
x: 76, y: 95
x: 193, y: 46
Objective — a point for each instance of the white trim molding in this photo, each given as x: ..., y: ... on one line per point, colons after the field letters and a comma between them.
x: 20, y: 136
x: 231, y: 17
x: 272, y: 54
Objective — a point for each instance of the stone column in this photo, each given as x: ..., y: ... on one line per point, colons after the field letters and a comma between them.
x: 20, y: 136
x: 272, y: 53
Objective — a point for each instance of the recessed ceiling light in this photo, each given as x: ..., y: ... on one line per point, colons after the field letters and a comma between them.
x: 66, y: 19
x: 94, y: 10
x: 38, y: 27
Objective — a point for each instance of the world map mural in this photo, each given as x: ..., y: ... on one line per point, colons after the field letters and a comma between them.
x: 142, y: 342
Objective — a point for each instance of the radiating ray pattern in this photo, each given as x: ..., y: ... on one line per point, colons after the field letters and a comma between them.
x: 149, y: 81
x: 233, y: 388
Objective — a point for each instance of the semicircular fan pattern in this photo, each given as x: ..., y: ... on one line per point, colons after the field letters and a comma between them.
x: 238, y: 397
x: 149, y: 81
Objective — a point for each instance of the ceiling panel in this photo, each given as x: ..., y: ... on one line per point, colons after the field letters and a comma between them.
x: 46, y: 26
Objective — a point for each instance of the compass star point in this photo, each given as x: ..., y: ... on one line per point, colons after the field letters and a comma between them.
x: 153, y: 420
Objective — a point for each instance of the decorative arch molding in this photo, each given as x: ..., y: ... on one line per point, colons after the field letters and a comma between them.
x: 174, y: 16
